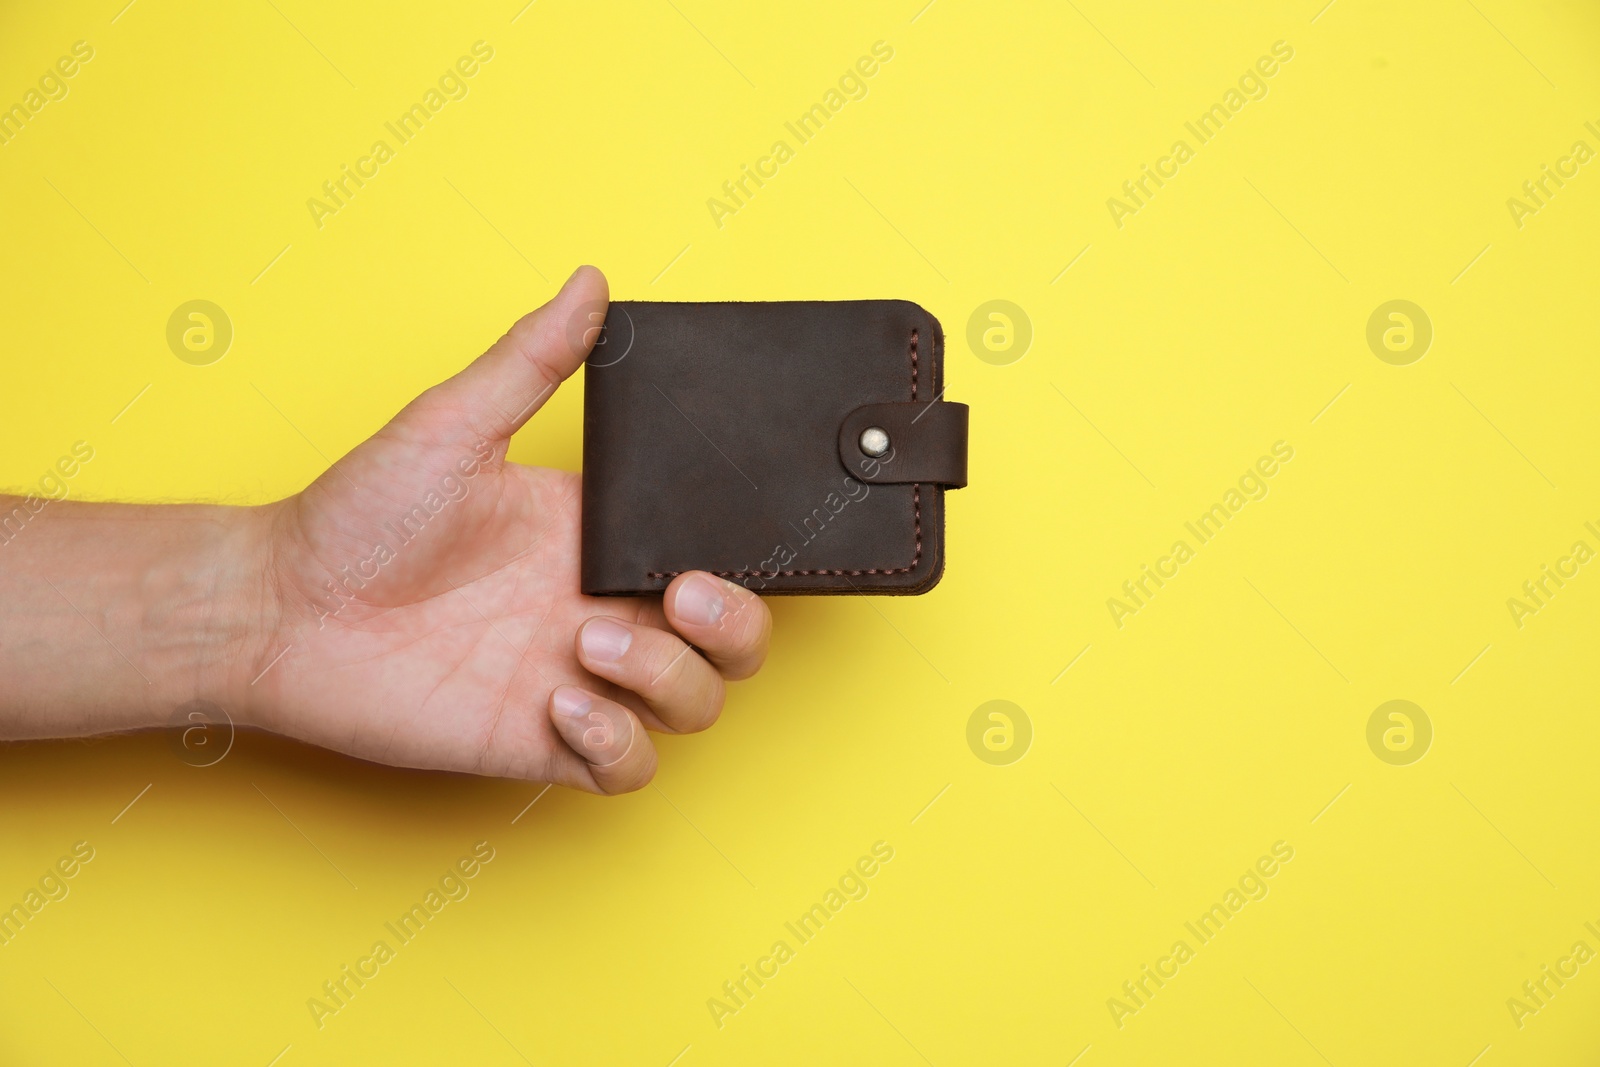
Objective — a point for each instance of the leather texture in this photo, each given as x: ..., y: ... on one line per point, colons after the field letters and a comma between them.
x: 714, y: 438
x: 927, y: 443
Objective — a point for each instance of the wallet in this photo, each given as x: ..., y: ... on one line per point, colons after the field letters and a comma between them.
x: 792, y: 447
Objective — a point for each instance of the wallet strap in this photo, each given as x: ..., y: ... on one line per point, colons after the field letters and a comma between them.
x: 926, y: 444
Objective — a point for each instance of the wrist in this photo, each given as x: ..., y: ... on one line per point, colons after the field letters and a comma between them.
x: 191, y: 593
x: 118, y: 615
x: 242, y: 627
x: 222, y: 636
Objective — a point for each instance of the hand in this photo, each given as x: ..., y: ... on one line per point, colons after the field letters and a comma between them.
x: 423, y: 596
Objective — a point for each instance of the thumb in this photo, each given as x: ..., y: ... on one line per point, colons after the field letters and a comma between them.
x: 501, y: 389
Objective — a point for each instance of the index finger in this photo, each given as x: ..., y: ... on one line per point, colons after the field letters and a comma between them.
x: 729, y: 624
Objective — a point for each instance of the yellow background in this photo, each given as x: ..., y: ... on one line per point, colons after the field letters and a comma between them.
x: 1223, y: 717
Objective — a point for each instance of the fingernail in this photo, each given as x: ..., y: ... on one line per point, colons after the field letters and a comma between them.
x: 700, y: 601
x: 605, y: 640
x: 596, y: 733
x: 571, y: 702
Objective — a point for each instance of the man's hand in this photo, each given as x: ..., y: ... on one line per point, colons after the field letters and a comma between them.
x: 418, y: 604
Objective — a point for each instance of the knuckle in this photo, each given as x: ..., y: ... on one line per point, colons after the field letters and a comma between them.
x: 429, y: 397
x: 689, y: 693
x: 664, y: 668
x: 549, y: 377
x: 435, y: 400
x: 525, y: 331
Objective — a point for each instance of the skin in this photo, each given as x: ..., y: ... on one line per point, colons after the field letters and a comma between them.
x: 467, y: 647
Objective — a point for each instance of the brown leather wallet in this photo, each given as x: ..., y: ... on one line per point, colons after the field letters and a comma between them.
x: 794, y: 447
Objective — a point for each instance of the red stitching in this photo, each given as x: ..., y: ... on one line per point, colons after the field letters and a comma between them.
x: 916, y: 501
x: 916, y: 508
x: 913, y: 363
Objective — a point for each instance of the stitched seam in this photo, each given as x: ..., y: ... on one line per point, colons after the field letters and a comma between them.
x: 916, y: 503
x: 913, y: 364
x: 916, y: 512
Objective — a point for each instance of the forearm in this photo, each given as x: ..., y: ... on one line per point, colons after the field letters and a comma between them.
x: 115, y: 615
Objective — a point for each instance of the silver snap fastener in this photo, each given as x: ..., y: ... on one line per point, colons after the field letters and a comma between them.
x: 874, y: 441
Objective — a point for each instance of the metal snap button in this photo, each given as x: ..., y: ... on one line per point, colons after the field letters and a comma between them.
x: 874, y: 441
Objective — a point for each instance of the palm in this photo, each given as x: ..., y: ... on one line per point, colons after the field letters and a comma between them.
x: 428, y: 604
x: 471, y: 617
